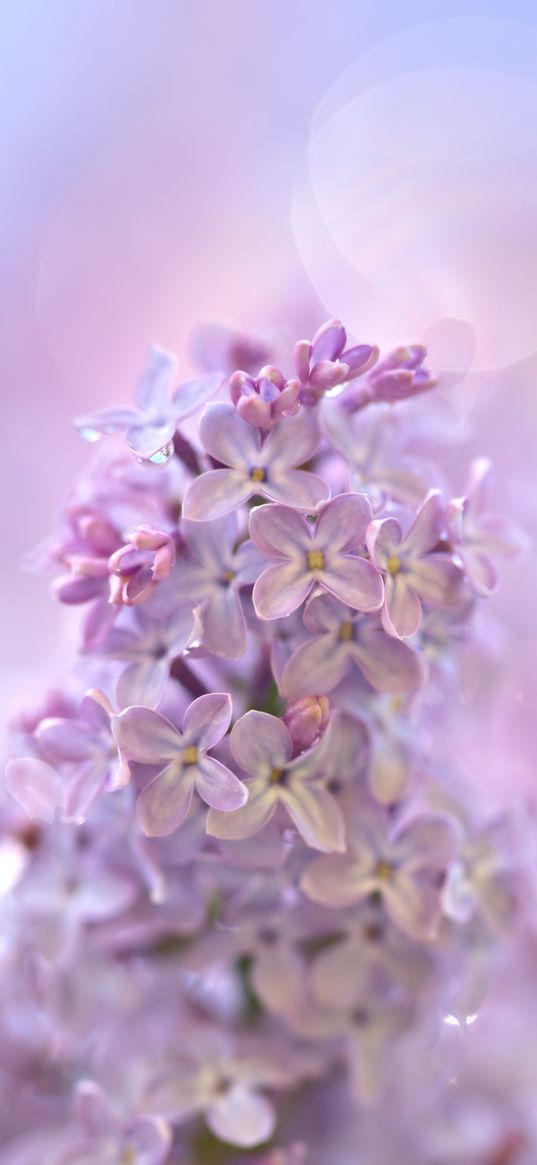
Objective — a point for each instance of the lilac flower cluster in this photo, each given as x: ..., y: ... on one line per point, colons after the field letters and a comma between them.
x: 247, y: 895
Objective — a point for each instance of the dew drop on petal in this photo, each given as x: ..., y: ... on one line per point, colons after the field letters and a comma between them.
x: 161, y: 457
x: 91, y: 435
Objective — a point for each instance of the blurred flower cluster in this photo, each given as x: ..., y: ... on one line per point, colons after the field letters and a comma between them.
x: 254, y: 908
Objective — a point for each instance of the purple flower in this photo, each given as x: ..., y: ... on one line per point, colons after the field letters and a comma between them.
x: 183, y: 764
x: 414, y: 569
x: 476, y: 534
x: 149, y: 646
x: 398, y: 376
x: 36, y: 786
x: 406, y: 866
x: 343, y: 638
x: 212, y: 573
x: 136, y: 569
x: 107, y: 1139
x: 257, y: 467
x: 150, y: 428
x: 324, y: 554
x: 263, y: 399
x: 372, y: 448
x: 262, y: 746
x: 325, y: 363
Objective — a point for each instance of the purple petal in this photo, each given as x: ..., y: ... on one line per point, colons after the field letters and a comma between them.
x: 295, y: 487
x: 149, y: 1138
x: 438, y: 580
x: 215, y: 493
x: 82, y: 790
x: 245, y: 822
x: 325, y: 613
x: 427, y: 526
x: 401, y: 615
x: 211, y: 543
x: 36, y: 787
x: 194, y: 393
x: 301, y: 359
x: 278, y: 979
x: 279, y: 531
x: 360, y: 358
x: 328, y: 341
x: 143, y: 683
x: 481, y: 572
x: 224, y: 631
x: 387, y: 663
x: 316, y: 814
x: 414, y: 905
x: 427, y: 841
x: 280, y: 589
x: 343, y: 522
x: 207, y: 719
x: 164, y: 803
x: 228, y: 438
x: 241, y: 1117
x: 219, y: 787
x: 315, y: 668
x: 153, y: 389
x: 248, y: 563
x: 331, y: 881
x: 355, y: 582
x: 147, y: 440
x: 293, y: 441
x: 66, y: 740
x: 260, y: 743
x: 146, y: 736
x: 383, y: 539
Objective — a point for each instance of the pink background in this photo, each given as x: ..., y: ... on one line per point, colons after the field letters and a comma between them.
x: 264, y: 164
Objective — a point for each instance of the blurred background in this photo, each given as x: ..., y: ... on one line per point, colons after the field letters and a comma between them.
x: 265, y: 165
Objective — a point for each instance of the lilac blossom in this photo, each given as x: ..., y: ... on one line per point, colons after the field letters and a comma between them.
x: 340, y: 639
x: 262, y: 746
x: 213, y: 571
x: 476, y: 534
x: 182, y: 761
x: 398, y: 376
x: 148, y: 646
x: 379, y: 465
x: 107, y: 1138
x: 149, y: 429
x: 416, y: 569
x: 263, y: 399
x: 325, y: 554
x: 255, y: 467
x: 326, y: 362
x: 136, y: 569
x: 406, y: 867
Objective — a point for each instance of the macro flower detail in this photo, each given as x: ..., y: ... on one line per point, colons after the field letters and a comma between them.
x: 150, y: 428
x: 263, y: 399
x: 323, y: 554
x: 136, y: 568
x: 398, y: 376
x: 262, y: 746
x: 326, y: 362
x: 477, y: 535
x: 182, y: 761
x: 340, y: 639
x: 148, y: 647
x: 103, y: 1136
x: 407, y: 867
x: 415, y: 570
x: 255, y: 467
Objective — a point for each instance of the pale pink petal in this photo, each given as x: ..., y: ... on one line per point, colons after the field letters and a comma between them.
x: 336, y: 971
x: 176, y: 1097
x: 241, y: 1117
x: 106, y: 422
x: 294, y: 487
x: 383, y: 539
x: 152, y: 391
x: 414, y: 904
x: 279, y: 531
x: 354, y: 581
x: 207, y: 719
x: 427, y: 527
x: 316, y: 814
x: 325, y: 613
x: 215, y: 493
x: 143, y: 683
x: 401, y: 615
x: 228, y: 438
x: 279, y: 590
x: 293, y: 441
x: 260, y: 743
x: 245, y: 822
x: 248, y: 563
x: 427, y: 841
x: 218, y: 786
x: 333, y: 881
x: 437, y: 580
x: 224, y: 631
x: 36, y: 787
x: 66, y: 740
x: 482, y: 575
x: 315, y: 668
x: 146, y: 736
x: 211, y: 542
x: 343, y: 522
x: 387, y: 663
x: 164, y: 803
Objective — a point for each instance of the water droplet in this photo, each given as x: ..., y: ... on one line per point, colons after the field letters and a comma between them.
x: 160, y: 457
x: 90, y: 434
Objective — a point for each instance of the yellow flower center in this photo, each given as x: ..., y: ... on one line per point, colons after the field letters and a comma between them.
x: 384, y: 871
x: 257, y: 474
x: 315, y: 559
x: 229, y: 575
x: 275, y: 776
x: 346, y: 631
x: 190, y: 755
x: 394, y: 564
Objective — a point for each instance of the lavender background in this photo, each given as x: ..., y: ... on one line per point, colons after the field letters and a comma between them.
x: 267, y: 165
